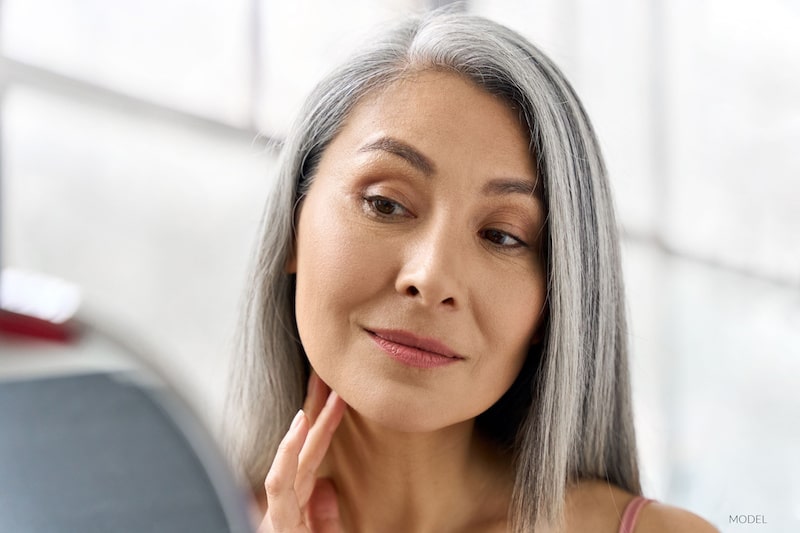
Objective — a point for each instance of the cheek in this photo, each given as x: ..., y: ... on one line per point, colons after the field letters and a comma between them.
x: 337, y: 271
x: 323, y: 265
x: 513, y: 299
x: 327, y: 248
x: 511, y: 321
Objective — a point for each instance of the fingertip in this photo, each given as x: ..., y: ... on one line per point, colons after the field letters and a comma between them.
x: 316, y: 395
x: 298, y: 420
x: 338, y: 408
x: 337, y: 401
x: 333, y: 397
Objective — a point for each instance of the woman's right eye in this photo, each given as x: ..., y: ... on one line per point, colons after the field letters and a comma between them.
x: 384, y: 207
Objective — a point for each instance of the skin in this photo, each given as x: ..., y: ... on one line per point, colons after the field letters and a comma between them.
x: 434, y: 231
x: 382, y: 243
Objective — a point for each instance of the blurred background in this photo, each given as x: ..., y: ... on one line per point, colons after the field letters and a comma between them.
x: 135, y: 161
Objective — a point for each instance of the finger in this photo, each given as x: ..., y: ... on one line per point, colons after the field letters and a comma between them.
x: 317, y: 392
x: 317, y: 443
x: 323, y: 508
x: 283, y: 508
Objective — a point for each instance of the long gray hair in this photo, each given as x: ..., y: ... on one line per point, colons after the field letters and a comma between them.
x: 568, y: 415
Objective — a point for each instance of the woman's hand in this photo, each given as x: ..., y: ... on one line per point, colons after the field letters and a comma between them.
x: 297, y: 502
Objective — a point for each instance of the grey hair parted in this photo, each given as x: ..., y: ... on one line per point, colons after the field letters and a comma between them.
x: 568, y: 416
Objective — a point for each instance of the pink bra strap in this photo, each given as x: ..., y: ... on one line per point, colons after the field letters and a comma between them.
x: 631, y: 513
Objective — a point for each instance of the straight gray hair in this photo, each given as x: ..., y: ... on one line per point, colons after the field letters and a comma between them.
x: 568, y: 416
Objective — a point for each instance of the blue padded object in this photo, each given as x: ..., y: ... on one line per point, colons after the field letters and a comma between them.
x: 100, y: 452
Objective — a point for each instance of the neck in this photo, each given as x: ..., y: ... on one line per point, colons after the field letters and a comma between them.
x: 395, y: 481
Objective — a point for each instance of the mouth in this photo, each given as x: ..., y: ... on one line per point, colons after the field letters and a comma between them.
x: 413, y: 350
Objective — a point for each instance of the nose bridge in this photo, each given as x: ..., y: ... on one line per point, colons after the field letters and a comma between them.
x: 433, y: 271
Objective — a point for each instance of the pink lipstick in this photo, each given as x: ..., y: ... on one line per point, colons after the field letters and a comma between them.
x: 412, y: 350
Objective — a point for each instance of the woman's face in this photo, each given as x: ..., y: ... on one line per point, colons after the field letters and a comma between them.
x: 419, y: 283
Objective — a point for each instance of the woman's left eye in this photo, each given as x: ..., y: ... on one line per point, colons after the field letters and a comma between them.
x: 384, y: 207
x: 502, y: 239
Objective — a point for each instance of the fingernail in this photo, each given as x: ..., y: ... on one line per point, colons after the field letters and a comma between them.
x: 297, y: 418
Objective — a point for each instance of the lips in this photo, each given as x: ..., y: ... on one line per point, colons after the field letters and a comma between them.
x: 407, y: 339
x: 413, y: 351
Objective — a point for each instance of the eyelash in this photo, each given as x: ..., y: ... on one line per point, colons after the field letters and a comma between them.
x: 371, y: 201
x: 518, y: 243
x: 490, y: 234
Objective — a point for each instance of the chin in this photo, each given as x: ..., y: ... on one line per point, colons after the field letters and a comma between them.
x: 404, y: 416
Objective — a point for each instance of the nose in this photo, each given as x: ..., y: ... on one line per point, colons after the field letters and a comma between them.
x: 433, y: 268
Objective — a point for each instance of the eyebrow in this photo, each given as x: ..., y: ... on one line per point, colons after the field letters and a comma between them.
x: 495, y: 187
x: 504, y: 186
x: 399, y: 148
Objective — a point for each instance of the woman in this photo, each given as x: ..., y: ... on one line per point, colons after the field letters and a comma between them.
x: 438, y: 287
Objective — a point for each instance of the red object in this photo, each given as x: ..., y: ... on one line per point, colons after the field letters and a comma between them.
x: 28, y: 326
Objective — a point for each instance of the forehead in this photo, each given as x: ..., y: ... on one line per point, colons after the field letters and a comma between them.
x: 445, y: 116
x: 417, y: 94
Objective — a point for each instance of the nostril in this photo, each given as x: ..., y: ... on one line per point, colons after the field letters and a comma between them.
x: 412, y: 291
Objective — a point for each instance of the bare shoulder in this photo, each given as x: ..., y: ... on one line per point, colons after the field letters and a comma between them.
x: 661, y: 518
x: 593, y: 505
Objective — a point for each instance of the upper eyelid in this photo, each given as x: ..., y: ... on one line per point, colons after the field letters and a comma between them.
x: 390, y: 190
x: 520, y: 242
x: 403, y: 203
x: 369, y: 197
